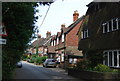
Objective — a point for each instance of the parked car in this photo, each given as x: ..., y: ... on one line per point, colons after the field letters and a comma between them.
x: 50, y: 62
x: 19, y: 64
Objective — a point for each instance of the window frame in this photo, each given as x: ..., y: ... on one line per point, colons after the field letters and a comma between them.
x: 106, y: 26
x: 113, y: 58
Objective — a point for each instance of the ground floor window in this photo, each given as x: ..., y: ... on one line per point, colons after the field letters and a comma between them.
x: 112, y: 58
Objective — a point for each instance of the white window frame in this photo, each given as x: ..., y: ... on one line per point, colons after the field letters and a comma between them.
x: 113, y: 60
x: 108, y: 25
x: 57, y: 40
x: 63, y: 38
x: 84, y: 33
x: 54, y: 42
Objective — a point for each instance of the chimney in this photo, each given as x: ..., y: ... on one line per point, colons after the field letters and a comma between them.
x: 39, y: 36
x: 75, y: 15
x: 62, y: 26
x: 48, y: 34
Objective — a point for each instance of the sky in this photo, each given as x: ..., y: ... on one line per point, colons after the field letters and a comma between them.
x: 60, y: 12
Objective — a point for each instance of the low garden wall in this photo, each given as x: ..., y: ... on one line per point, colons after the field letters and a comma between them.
x: 86, y: 75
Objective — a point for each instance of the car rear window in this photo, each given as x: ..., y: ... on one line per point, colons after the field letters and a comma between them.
x: 51, y: 61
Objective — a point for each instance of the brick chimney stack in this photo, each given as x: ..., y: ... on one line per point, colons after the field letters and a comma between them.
x: 39, y: 35
x: 75, y: 15
x: 48, y: 34
x: 62, y: 26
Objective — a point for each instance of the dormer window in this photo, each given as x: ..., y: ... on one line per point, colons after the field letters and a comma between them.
x: 57, y: 40
x: 84, y: 33
x: 112, y: 25
x: 62, y: 37
x: 54, y: 42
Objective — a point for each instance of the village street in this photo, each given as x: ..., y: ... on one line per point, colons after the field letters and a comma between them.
x: 31, y: 71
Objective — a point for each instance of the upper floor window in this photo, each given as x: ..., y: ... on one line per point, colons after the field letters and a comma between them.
x: 112, y: 25
x: 84, y: 33
x: 57, y: 40
x: 62, y: 37
x: 54, y: 42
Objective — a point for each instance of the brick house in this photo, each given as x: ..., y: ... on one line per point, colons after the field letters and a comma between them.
x: 66, y: 43
x: 40, y: 45
x: 99, y: 33
x: 51, y: 48
x: 72, y: 54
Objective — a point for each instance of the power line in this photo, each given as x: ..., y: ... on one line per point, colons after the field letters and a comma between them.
x: 45, y: 15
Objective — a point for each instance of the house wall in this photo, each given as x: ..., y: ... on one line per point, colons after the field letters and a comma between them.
x: 98, y: 40
x: 71, y: 37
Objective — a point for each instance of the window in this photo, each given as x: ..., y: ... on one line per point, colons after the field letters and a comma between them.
x: 84, y: 33
x: 119, y: 23
x: 62, y: 37
x: 54, y: 42
x: 112, y: 25
x: 105, y: 27
x: 57, y: 40
x: 112, y: 58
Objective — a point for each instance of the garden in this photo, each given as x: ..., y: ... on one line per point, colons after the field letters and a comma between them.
x: 92, y: 68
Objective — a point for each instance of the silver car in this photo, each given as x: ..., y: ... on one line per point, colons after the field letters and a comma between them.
x: 19, y: 64
x: 50, y: 62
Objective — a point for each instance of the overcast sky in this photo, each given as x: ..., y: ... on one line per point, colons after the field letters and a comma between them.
x: 60, y: 12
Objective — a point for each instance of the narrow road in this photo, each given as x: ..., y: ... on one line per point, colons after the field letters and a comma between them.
x: 31, y: 71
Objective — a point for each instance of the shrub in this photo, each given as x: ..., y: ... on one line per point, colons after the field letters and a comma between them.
x: 32, y: 60
x: 44, y: 58
x: 102, y: 68
x: 83, y: 65
x: 38, y: 60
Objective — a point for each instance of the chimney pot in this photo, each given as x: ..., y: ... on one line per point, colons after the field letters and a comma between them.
x: 48, y: 34
x: 75, y: 15
x: 62, y: 26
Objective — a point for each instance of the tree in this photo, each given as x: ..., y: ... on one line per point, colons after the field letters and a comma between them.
x: 19, y: 19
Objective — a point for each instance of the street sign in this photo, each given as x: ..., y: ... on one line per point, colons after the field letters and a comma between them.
x: 2, y: 41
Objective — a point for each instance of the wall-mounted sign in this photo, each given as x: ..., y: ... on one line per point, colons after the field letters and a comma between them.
x: 2, y: 41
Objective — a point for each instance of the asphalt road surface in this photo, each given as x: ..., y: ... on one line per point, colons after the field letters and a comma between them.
x: 33, y: 72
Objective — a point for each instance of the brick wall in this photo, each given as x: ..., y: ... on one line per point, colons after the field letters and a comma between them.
x: 71, y: 37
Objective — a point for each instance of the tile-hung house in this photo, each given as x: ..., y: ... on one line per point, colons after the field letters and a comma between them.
x: 59, y: 48
x: 51, y: 48
x: 40, y: 45
x: 36, y: 45
x: 70, y: 39
x: 100, y: 33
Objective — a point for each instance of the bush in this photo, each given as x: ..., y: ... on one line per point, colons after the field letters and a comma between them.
x: 32, y: 60
x: 102, y: 68
x: 38, y: 60
x: 83, y: 65
x: 44, y: 58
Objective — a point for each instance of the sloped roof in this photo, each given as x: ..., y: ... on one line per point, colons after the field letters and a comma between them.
x: 73, y: 25
x: 73, y: 50
x: 37, y: 42
x: 51, y: 49
x: 47, y: 41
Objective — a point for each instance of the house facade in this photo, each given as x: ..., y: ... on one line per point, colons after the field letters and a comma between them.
x: 99, y: 33
x: 65, y: 43
x: 39, y: 46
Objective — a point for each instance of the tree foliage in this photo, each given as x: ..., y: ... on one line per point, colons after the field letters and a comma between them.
x: 19, y: 19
